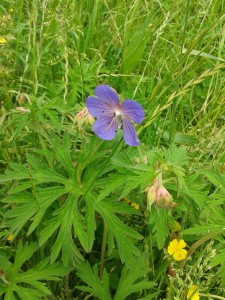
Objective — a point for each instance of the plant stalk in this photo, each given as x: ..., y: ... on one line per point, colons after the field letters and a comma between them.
x: 103, y: 249
x: 199, y: 243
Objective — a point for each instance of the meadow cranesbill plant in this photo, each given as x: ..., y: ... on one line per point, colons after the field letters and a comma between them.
x: 112, y: 115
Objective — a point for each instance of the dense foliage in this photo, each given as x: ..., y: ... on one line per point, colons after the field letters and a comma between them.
x: 85, y: 218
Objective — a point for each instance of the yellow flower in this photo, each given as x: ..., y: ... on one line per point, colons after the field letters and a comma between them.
x: 193, y: 293
x: 11, y: 10
x: 2, y: 40
x: 175, y: 248
x: 9, y: 237
x: 135, y: 205
x: 127, y: 199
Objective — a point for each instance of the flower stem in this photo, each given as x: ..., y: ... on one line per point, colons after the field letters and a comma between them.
x: 211, y: 296
x: 199, y: 243
x: 101, y: 169
x: 103, y: 249
x: 140, y: 152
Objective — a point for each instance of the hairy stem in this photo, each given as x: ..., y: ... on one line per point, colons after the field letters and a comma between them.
x: 199, y: 243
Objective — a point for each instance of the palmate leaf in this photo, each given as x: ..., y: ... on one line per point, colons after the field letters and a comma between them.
x: 176, y: 155
x: 66, y: 221
x: 123, y: 234
x: 213, y: 211
x: 28, y: 284
x: 128, y: 279
x: 40, y: 173
x: 16, y: 172
x: 90, y: 220
x: 51, y: 198
x: 216, y: 178
x: 132, y: 174
x: 25, y: 210
x: 213, y: 229
x: 47, y: 197
x: 96, y: 287
x: 110, y: 184
x: 62, y: 152
x: 132, y: 280
x: 158, y: 223
x: 20, y: 120
x: 30, y: 207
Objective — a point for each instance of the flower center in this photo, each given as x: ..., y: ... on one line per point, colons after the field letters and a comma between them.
x: 117, y: 113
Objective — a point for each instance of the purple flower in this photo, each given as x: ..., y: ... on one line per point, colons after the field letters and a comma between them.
x: 111, y: 115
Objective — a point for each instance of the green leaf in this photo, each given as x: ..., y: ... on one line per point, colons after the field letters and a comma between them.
x: 158, y: 221
x: 90, y: 219
x: 110, y: 184
x: 62, y: 151
x: 122, y: 233
x: 55, y: 120
x: 177, y: 156
x: 218, y: 259
x: 205, y: 229
x: 18, y: 172
x: 98, y: 288
x: 185, y: 139
x: 21, y: 123
x: 27, y: 207
x: 135, y: 49
x: 128, y: 279
x: 203, y: 54
x: 67, y: 217
x: 27, y: 284
x: 42, y: 173
x: 216, y: 177
x: 46, y: 197
x: 23, y: 253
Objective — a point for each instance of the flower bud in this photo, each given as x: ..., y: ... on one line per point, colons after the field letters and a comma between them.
x: 159, y: 195
x: 83, y: 118
x: 151, y: 197
x: 164, y: 199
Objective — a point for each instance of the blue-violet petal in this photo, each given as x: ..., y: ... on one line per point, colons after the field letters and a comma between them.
x: 106, y: 127
x: 133, y: 110
x: 129, y: 133
x: 97, y: 108
x: 107, y: 94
